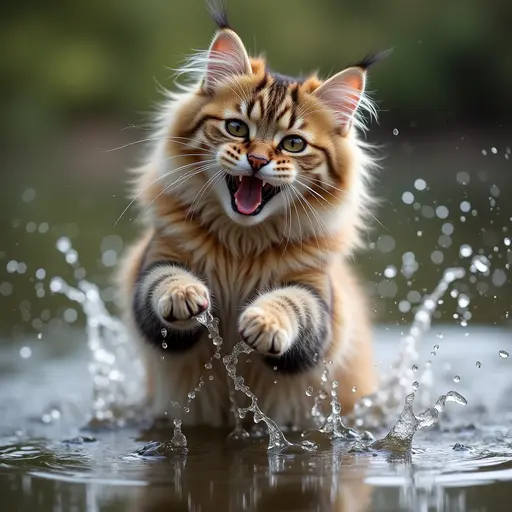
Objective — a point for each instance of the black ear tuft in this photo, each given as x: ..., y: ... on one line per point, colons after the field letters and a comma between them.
x: 218, y: 11
x: 372, y: 59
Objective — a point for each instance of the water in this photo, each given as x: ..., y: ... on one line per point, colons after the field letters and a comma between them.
x: 117, y: 461
x: 46, y: 463
x: 74, y: 433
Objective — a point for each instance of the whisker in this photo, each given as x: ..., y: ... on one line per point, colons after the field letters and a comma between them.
x: 290, y: 189
x: 201, y: 192
x: 288, y: 211
x: 316, y: 193
x: 321, y: 224
x: 163, y: 176
x: 366, y: 209
x: 174, y: 185
x: 157, y: 138
x: 298, y: 195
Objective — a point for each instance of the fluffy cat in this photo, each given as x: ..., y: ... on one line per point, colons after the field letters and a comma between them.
x: 254, y: 194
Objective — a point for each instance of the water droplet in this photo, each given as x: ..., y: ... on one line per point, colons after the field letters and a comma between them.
x: 465, y: 251
x: 208, y: 366
x: 463, y: 301
x: 25, y: 352
x: 395, y: 131
x: 478, y: 364
x: 414, y: 367
x: 354, y: 389
x: 164, y: 332
x: 408, y: 197
x: 442, y: 212
x: 191, y: 395
x: 39, y: 336
x: 456, y: 378
x: 415, y: 385
x: 28, y: 195
x: 420, y: 184
x: 390, y: 271
x: 309, y: 391
x: 481, y: 263
x: 465, y: 206
x: 503, y: 354
x: 63, y: 244
x: 164, y: 345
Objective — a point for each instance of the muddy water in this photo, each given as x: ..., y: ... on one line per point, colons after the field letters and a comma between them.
x: 48, y: 462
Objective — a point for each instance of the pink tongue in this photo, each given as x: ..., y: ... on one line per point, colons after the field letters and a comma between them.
x: 248, y: 195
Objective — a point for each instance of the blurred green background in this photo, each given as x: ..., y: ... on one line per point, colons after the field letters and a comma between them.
x: 80, y: 79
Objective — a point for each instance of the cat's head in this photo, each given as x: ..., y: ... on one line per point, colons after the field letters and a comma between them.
x: 267, y: 146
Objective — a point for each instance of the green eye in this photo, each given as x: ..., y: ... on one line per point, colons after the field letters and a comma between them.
x: 293, y: 144
x: 237, y: 128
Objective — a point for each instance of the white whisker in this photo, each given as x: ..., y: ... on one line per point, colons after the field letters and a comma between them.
x: 163, y: 176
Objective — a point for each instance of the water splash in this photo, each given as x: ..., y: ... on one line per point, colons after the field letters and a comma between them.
x: 212, y: 324
x: 399, y: 438
x: 277, y: 440
x: 317, y: 410
x: 177, y: 445
x: 334, y: 425
x: 372, y: 411
x: 116, y: 369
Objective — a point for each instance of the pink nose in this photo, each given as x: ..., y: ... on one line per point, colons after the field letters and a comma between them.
x: 257, y: 162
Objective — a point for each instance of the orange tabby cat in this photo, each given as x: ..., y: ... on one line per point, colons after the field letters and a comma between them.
x: 254, y: 195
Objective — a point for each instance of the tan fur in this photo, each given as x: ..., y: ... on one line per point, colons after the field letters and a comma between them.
x: 241, y: 263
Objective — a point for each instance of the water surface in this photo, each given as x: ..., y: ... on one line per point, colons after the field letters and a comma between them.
x: 49, y: 462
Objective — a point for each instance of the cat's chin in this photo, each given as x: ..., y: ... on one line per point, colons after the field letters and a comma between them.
x: 241, y: 219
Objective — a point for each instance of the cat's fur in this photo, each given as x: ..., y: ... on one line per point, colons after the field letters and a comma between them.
x: 279, y: 276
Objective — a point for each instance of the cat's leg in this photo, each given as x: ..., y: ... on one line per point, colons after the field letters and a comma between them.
x: 291, y: 325
x: 168, y: 296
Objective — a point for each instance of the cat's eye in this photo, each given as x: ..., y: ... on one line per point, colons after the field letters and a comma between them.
x: 293, y: 144
x: 237, y: 128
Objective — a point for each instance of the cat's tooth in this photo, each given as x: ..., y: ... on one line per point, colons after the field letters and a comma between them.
x: 239, y: 179
x: 264, y: 184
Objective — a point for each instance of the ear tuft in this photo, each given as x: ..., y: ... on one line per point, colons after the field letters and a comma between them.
x: 218, y: 11
x: 227, y: 57
x: 343, y: 94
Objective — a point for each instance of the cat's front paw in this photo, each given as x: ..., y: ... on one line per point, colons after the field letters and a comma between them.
x: 265, y: 330
x: 183, y: 301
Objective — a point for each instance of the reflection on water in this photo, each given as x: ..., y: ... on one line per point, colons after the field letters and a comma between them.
x: 462, y: 464
x: 216, y: 475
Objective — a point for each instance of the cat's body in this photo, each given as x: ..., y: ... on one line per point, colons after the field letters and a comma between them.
x: 254, y: 195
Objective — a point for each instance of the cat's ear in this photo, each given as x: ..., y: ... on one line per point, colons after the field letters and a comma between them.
x: 227, y: 57
x: 342, y: 93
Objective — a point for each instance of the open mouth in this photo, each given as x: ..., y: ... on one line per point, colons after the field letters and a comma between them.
x: 249, y: 195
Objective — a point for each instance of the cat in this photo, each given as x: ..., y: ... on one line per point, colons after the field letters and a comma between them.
x: 254, y: 196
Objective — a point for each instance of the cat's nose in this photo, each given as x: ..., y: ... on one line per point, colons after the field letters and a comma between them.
x: 257, y: 162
